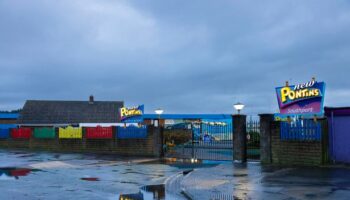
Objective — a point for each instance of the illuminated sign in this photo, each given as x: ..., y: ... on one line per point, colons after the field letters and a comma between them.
x: 306, y: 98
x: 132, y: 115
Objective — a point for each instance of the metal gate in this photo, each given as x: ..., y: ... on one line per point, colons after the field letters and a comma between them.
x: 253, y: 138
x: 206, y: 139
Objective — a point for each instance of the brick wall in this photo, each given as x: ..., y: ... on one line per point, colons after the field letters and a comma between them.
x: 305, y: 153
x: 150, y: 146
x: 8, y: 121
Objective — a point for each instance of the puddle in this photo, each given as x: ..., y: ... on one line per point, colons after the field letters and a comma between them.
x: 149, y: 192
x: 90, y: 179
x: 10, y: 173
x: 187, y: 163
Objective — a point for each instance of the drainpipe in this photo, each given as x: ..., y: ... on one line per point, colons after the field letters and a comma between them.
x: 333, y: 136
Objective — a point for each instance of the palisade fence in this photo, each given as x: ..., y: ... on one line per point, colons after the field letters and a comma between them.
x: 129, y: 140
x: 132, y: 132
x: 253, y: 138
x: 301, y: 130
x: 5, y: 130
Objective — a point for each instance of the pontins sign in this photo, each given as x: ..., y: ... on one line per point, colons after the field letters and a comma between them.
x: 305, y: 98
x: 132, y: 114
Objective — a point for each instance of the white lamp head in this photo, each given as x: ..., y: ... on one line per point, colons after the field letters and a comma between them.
x: 159, y: 111
x: 238, y: 106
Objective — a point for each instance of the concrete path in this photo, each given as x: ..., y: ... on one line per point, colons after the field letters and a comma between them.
x: 251, y: 181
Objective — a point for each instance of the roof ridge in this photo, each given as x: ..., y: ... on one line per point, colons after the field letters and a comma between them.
x: 71, y: 101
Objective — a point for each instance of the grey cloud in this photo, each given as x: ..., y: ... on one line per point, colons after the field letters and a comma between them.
x: 186, y: 56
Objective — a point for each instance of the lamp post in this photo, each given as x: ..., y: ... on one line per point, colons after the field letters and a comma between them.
x: 238, y: 106
x: 159, y: 111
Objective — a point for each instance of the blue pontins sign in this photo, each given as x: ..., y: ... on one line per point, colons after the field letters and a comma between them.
x: 305, y: 99
x: 132, y: 114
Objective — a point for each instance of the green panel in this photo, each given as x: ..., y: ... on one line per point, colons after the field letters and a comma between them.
x: 44, y: 133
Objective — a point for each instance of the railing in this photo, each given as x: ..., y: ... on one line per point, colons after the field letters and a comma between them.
x: 21, y: 133
x: 5, y: 130
x: 132, y: 132
x: 70, y: 133
x: 44, y: 133
x: 301, y: 130
x: 99, y: 132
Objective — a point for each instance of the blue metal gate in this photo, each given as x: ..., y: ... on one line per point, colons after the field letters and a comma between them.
x: 207, y: 139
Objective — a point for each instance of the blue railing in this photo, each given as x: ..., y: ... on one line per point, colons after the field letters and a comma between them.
x: 132, y: 132
x: 301, y: 130
x: 5, y: 130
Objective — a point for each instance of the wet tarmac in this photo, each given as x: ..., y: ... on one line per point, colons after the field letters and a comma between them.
x: 37, y: 175
x: 34, y: 175
x: 252, y: 181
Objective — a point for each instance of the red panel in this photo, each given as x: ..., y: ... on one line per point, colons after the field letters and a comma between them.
x: 99, y: 132
x: 20, y: 172
x: 25, y: 133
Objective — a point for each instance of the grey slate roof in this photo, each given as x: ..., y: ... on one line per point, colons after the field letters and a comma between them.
x: 70, y: 112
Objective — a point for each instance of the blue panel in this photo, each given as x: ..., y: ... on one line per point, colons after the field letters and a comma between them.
x: 4, y: 133
x: 9, y: 115
x: 132, y: 132
x: 188, y: 116
x: 301, y: 130
x: 5, y: 130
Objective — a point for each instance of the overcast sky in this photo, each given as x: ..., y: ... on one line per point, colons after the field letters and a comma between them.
x: 184, y: 56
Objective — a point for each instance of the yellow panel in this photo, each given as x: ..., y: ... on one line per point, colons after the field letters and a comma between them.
x: 70, y: 132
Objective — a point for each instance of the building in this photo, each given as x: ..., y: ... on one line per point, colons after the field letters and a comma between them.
x: 339, y: 133
x: 8, y: 118
x: 63, y: 113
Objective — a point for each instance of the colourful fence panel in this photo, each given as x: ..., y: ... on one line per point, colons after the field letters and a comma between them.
x: 44, y: 133
x: 132, y: 132
x: 21, y: 133
x: 70, y: 133
x: 5, y: 130
x: 99, y: 132
x: 302, y: 130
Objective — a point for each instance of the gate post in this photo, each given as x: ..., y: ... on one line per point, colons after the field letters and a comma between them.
x: 239, y: 138
x: 265, y: 138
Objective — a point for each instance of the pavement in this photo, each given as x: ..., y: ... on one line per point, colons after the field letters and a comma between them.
x: 40, y: 175
x: 253, y: 181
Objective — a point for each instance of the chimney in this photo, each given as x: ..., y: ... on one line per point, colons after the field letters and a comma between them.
x: 91, y: 99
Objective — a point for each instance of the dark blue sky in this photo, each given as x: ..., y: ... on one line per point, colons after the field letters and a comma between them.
x: 184, y: 56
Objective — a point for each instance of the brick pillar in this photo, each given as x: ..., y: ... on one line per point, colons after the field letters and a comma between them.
x: 157, y: 134
x: 239, y: 138
x: 265, y: 138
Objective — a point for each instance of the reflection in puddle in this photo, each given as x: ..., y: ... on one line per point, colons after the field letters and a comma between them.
x: 11, y: 173
x: 149, y: 192
x: 187, y: 163
x: 90, y: 179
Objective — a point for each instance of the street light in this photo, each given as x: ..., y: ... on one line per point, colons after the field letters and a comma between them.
x: 238, y: 106
x: 159, y: 111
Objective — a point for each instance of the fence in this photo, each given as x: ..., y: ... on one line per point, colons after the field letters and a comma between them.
x: 301, y: 130
x: 70, y: 133
x: 21, y: 133
x: 132, y: 132
x: 253, y: 139
x: 44, y: 133
x: 99, y: 132
x: 133, y: 141
x: 5, y: 130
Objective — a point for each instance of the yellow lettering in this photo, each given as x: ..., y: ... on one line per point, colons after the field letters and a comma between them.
x: 291, y: 95
x: 298, y: 94
x: 317, y: 92
x: 123, y: 112
x: 284, y: 93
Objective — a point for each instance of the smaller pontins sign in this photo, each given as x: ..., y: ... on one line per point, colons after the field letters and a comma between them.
x: 132, y: 114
